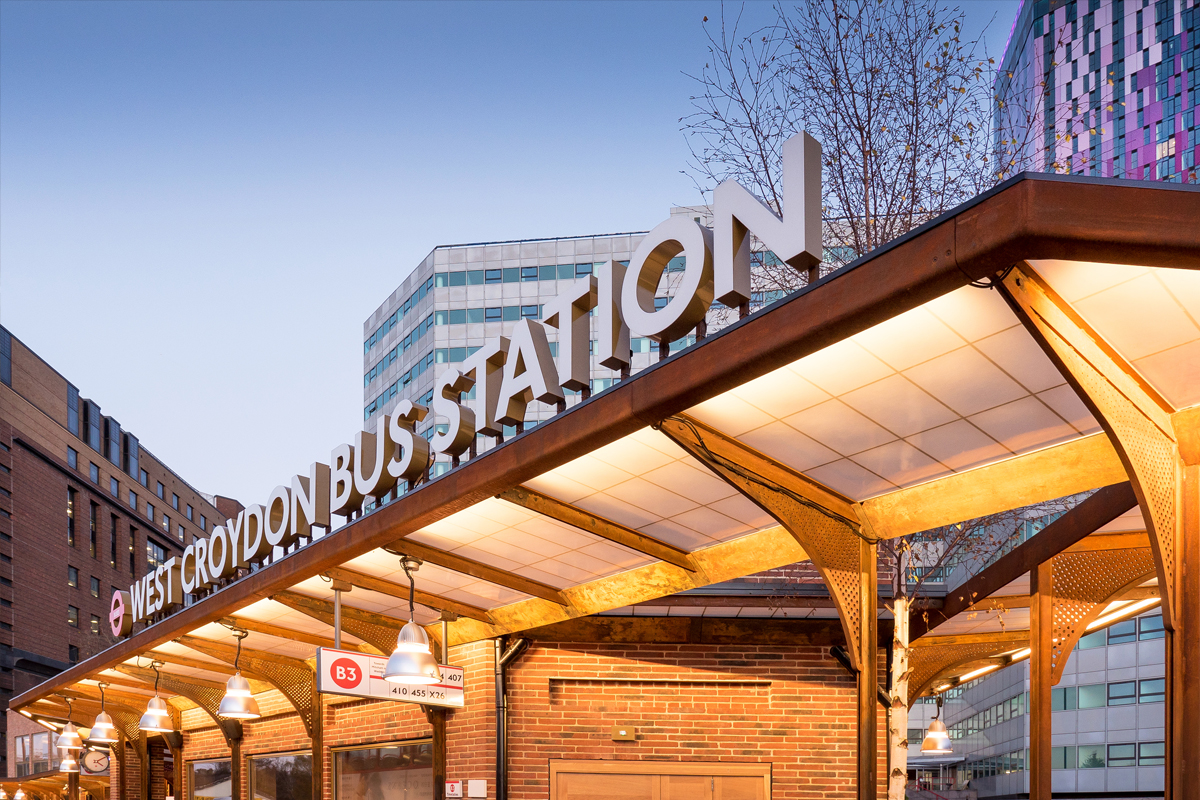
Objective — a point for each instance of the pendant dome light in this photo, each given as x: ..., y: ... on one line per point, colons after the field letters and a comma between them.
x: 157, y: 718
x: 238, y: 702
x: 68, y: 764
x: 69, y: 740
x: 19, y: 794
x: 3, y: 794
x: 937, y: 740
x: 412, y: 662
x: 103, y: 731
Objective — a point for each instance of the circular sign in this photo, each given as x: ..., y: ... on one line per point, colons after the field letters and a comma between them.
x: 95, y: 761
x: 120, y: 616
x: 346, y: 673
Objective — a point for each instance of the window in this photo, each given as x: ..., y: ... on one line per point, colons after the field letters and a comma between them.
x: 1150, y: 627
x: 41, y: 752
x: 72, y: 577
x: 73, y: 410
x: 209, y: 780
x: 1122, y: 694
x: 160, y: 490
x: 72, y: 458
x: 150, y: 512
x: 203, y: 523
x: 189, y: 513
x: 1121, y: 755
x: 531, y: 312
x: 95, y: 624
x: 112, y: 441
x: 281, y: 777
x: 73, y: 616
x: 133, y: 500
x: 21, y: 752
x: 529, y: 273
x: 93, y: 472
x: 70, y: 517
x: 91, y: 425
x: 493, y: 314
x: 1062, y: 758
x: 1152, y: 691
x: 73, y: 654
x: 132, y: 551
x: 114, y: 487
x: 1093, y: 696
x: 112, y: 542
x: 1091, y: 756
x: 166, y: 524
x: 156, y: 554
x: 1062, y: 699
x: 398, y: 770
x: 1122, y: 632
x: 92, y: 526
x: 181, y: 533
x: 493, y: 276
x: 1093, y: 640
x: 1152, y: 754
x: 144, y: 478
x: 175, y: 501
x: 132, y: 455
x: 95, y: 586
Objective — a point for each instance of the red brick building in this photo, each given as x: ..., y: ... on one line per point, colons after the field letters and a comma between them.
x: 84, y: 508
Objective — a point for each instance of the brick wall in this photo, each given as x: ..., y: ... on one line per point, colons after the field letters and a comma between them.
x: 791, y: 706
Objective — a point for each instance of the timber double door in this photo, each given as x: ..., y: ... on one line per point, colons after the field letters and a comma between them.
x: 658, y: 780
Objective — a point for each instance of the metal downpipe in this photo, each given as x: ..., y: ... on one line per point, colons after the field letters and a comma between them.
x: 503, y: 657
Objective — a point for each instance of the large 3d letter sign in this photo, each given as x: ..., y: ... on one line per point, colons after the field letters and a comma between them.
x: 509, y: 373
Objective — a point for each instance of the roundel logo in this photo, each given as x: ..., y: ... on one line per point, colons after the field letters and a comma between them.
x: 120, y: 616
x: 346, y: 673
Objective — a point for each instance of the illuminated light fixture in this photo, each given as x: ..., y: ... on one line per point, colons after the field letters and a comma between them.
x: 3, y: 794
x: 1020, y: 654
x: 975, y: 673
x: 1125, y: 611
x: 26, y: 713
x: 48, y: 726
x: 238, y: 702
x: 19, y: 794
x: 157, y: 718
x: 412, y: 662
x: 937, y: 739
x: 68, y: 764
x: 103, y: 731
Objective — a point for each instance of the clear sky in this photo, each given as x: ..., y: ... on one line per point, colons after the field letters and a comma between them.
x: 201, y: 202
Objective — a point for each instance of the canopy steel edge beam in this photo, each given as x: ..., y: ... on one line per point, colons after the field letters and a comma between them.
x: 1029, y: 216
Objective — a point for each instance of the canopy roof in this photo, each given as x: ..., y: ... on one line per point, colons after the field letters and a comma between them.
x: 901, y: 393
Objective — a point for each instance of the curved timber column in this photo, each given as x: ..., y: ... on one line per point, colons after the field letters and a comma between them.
x: 1159, y: 446
x: 836, y: 536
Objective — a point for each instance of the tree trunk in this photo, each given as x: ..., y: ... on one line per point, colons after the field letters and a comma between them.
x: 898, y: 715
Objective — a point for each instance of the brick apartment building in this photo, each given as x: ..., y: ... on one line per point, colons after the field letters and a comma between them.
x: 84, y: 509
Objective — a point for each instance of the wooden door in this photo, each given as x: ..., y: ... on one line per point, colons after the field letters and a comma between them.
x: 657, y: 780
x: 588, y: 786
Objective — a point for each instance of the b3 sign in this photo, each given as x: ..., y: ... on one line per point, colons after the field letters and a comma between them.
x: 361, y: 675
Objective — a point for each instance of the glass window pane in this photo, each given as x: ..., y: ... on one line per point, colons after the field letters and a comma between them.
x: 1093, y: 696
x: 209, y: 780
x: 1150, y: 627
x: 475, y: 315
x: 547, y: 273
x: 566, y: 272
x: 493, y: 276
x: 1092, y: 640
x: 396, y: 771
x: 1122, y: 632
x: 474, y: 277
x: 458, y: 279
x: 1151, y: 754
x: 1152, y: 691
x: 1091, y: 756
x: 1122, y: 694
x: 1121, y: 755
x: 512, y: 313
x: 287, y: 777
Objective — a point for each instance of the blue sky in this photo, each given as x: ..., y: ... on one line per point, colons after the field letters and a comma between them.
x: 201, y: 202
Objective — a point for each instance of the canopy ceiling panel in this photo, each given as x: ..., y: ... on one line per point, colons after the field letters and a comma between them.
x: 1165, y: 352
x: 951, y: 385
x: 435, y: 580
x: 364, y: 600
x: 646, y: 482
x: 986, y: 621
x: 256, y: 641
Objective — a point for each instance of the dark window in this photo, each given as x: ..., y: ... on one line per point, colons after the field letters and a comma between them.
x: 406, y: 769
x: 150, y: 512
x: 144, y: 478
x: 112, y: 441
x: 1152, y: 754
x: 189, y: 513
x: 160, y: 489
x: 1152, y: 691
x: 1150, y: 627
x: 1121, y: 755
x: 92, y: 425
x: 73, y: 410
x: 203, y: 523
x: 112, y: 542
x: 209, y: 780
x: 5, y: 357
x: 133, y: 551
x: 93, y: 524
x: 282, y: 777
x: 73, y: 654
x: 114, y: 488
x: 95, y: 586
x: 133, y: 500
x: 93, y: 472
x: 70, y: 517
x: 1122, y: 694
x: 73, y: 616
x: 175, y: 501
x: 72, y: 458
x: 72, y: 577
x: 132, y: 464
